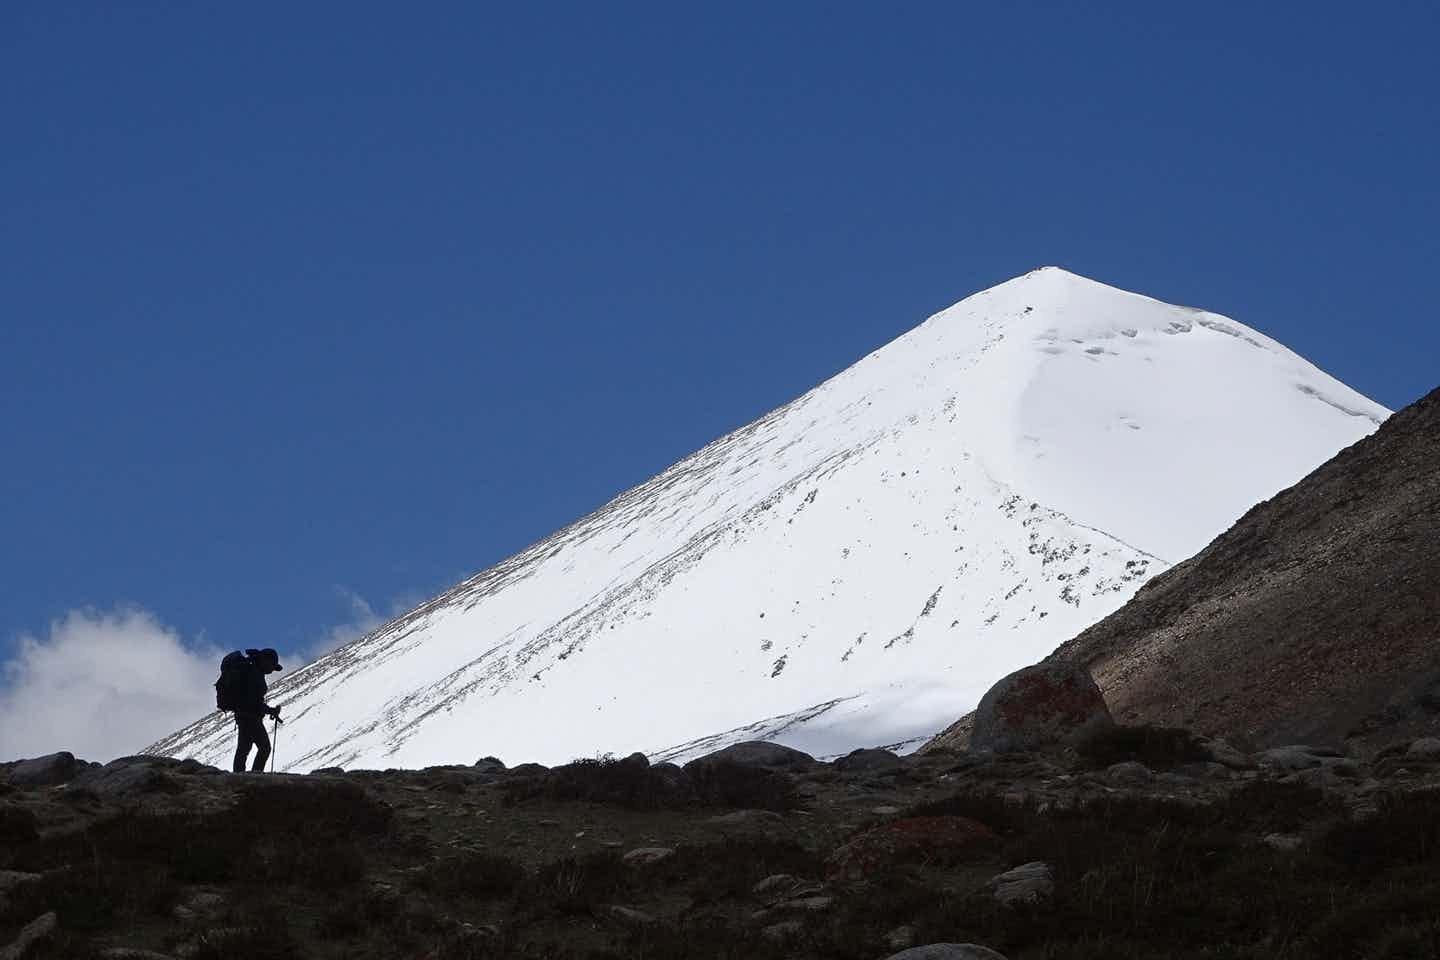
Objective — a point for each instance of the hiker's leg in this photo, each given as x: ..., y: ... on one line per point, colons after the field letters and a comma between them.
x: 245, y: 741
x: 262, y: 746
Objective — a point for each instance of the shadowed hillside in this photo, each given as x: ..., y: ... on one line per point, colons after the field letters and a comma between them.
x: 1316, y: 617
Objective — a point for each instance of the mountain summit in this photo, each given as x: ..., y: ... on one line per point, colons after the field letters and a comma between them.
x: 856, y: 567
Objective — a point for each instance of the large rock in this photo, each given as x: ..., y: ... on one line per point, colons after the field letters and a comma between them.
x: 871, y: 762
x: 1038, y: 706
x: 1290, y: 758
x: 1028, y: 883
x: 947, y: 951
x: 129, y: 776
x: 1222, y: 752
x: 757, y: 753
x: 46, y: 771
x: 489, y: 765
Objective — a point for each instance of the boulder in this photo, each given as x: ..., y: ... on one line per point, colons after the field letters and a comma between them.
x: 192, y: 767
x: 1223, y: 752
x: 489, y: 765
x: 128, y: 776
x: 1291, y: 758
x: 871, y: 761
x: 47, y: 771
x: 630, y: 915
x: 947, y: 951
x: 1037, y: 706
x: 1028, y: 883
x: 1129, y: 773
x: 776, y: 885
x: 1426, y: 748
x: 757, y: 753
x: 643, y: 856
x: 670, y: 773
x: 1283, y: 842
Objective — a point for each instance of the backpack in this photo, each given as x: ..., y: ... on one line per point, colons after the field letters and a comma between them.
x: 234, y: 676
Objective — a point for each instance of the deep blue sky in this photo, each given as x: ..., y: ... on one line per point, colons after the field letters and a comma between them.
x: 300, y: 297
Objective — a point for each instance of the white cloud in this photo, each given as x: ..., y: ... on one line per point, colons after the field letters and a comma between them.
x: 102, y: 686
x: 106, y: 685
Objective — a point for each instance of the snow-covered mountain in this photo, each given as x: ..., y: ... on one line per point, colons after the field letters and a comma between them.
x: 856, y: 567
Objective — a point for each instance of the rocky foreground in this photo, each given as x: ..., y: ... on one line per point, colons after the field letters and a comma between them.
x: 1121, y: 842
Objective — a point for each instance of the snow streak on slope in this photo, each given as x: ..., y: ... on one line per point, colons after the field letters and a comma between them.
x: 858, y: 565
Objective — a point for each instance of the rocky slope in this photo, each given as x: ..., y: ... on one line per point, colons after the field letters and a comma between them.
x: 1315, y: 617
x: 1138, y: 843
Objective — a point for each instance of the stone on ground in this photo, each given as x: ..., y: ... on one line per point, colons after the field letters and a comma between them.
x: 947, y: 951
x: 642, y: 856
x: 1289, y: 758
x: 1129, y: 772
x: 631, y: 916
x: 128, y: 776
x: 1028, y: 883
x: 47, y: 771
x: 1222, y: 752
x: 776, y: 883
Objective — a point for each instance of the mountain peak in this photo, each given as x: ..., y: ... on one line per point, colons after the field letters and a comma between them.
x: 858, y: 566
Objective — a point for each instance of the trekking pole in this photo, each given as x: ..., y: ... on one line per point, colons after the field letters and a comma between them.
x: 274, y: 741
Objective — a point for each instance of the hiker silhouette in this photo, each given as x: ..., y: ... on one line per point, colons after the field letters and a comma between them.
x: 244, y: 693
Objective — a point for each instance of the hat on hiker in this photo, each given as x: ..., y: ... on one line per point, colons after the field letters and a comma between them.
x: 268, y: 655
